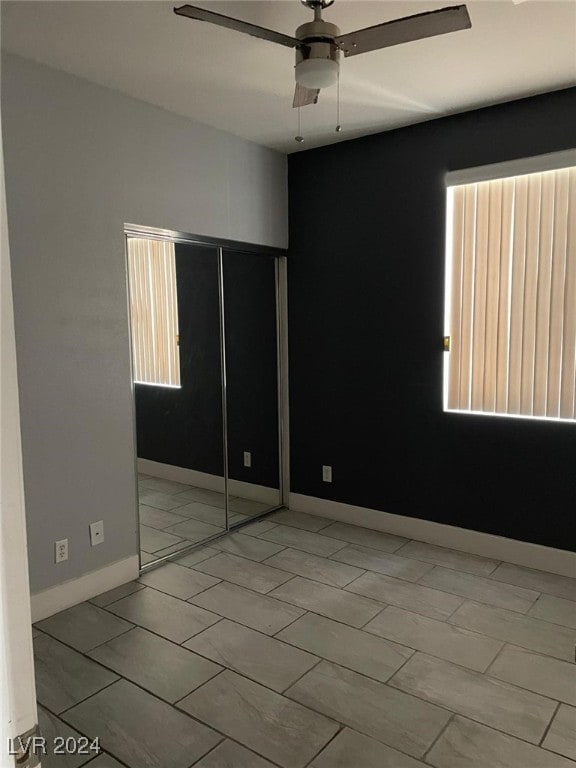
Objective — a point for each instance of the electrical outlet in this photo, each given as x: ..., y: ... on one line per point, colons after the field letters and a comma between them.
x: 327, y: 474
x: 247, y: 459
x: 97, y: 533
x: 61, y: 551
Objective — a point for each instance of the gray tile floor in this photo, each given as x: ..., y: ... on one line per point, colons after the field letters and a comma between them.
x: 174, y: 515
x: 304, y: 643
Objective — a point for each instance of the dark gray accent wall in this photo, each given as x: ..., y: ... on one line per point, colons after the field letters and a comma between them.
x: 366, y: 308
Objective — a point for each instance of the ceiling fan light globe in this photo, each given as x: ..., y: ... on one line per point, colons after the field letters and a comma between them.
x: 317, y: 73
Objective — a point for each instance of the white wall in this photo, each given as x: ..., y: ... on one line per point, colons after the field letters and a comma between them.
x: 17, y: 689
x: 81, y: 161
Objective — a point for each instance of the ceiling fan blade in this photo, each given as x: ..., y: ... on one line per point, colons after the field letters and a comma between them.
x: 236, y: 24
x: 304, y: 96
x: 405, y: 30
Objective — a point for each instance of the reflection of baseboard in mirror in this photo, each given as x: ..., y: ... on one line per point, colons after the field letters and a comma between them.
x: 269, y: 496
x: 196, y: 425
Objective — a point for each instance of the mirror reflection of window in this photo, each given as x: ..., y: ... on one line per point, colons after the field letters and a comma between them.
x: 153, y: 312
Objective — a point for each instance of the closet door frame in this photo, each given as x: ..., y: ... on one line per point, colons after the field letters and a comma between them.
x: 281, y: 284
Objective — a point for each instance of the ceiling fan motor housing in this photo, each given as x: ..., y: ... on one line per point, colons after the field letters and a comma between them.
x: 317, y: 59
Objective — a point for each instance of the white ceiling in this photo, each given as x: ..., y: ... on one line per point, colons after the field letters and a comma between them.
x: 245, y: 85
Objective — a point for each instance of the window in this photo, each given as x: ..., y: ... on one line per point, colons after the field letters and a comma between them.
x: 153, y: 312
x: 511, y: 295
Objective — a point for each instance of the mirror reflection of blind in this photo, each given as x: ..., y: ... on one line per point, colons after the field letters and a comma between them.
x: 512, y: 316
x: 153, y: 312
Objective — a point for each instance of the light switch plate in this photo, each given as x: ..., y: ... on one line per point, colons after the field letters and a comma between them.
x: 326, y: 473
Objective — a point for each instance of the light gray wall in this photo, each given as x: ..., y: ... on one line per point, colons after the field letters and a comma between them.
x: 81, y: 161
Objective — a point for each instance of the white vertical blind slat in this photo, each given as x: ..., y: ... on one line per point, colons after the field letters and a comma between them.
x: 492, y: 295
x: 457, y: 204
x: 513, y: 296
x: 569, y: 328
x: 543, y: 288
x: 506, y: 241
x: 468, y: 268
x: 560, y: 238
x: 480, y: 278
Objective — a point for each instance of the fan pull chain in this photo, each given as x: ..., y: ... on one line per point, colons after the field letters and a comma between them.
x: 299, y: 138
x: 338, y: 126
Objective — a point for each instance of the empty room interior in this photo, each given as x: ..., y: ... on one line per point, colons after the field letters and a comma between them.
x: 289, y: 384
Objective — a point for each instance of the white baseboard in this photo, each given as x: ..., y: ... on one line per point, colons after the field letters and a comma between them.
x: 65, y: 595
x: 210, y: 482
x: 560, y: 561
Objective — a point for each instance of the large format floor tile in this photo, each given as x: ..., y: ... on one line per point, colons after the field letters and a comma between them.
x: 492, y: 702
x: 158, y: 518
x: 247, y: 546
x: 300, y: 520
x: 449, y: 558
x: 54, y: 731
x: 160, y: 501
x: 465, y: 744
x: 388, y: 715
x: 203, y: 495
x: 353, y: 534
x: 248, y: 507
x: 177, y: 580
x: 353, y: 750
x: 245, y: 573
x: 541, y: 674
x: 315, y: 568
x: 106, y: 598
x: 562, y: 734
x: 228, y: 754
x: 84, y: 626
x: 413, y: 597
x: 436, y: 638
x: 194, y: 530
x: 328, y: 601
x: 65, y: 677
x: 258, y: 527
x: 205, y: 513
x: 182, y: 544
x: 152, y: 540
x: 351, y: 648
x: 259, y: 612
x: 480, y: 589
x: 196, y: 556
x: 104, y: 761
x: 163, y: 614
x: 315, y: 543
x: 281, y: 730
x: 427, y: 656
x: 517, y: 629
x: 164, y: 669
x: 555, y: 609
x: 550, y: 583
x: 257, y: 656
x: 140, y: 730
x: 163, y: 486
x: 382, y: 562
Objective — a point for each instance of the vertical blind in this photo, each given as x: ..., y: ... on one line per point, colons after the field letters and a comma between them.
x: 512, y: 295
x: 153, y: 312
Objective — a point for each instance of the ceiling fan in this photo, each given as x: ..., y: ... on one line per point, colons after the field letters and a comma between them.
x: 318, y: 43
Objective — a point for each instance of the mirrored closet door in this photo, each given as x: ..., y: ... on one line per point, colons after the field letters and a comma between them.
x: 205, y: 333
x: 251, y: 359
